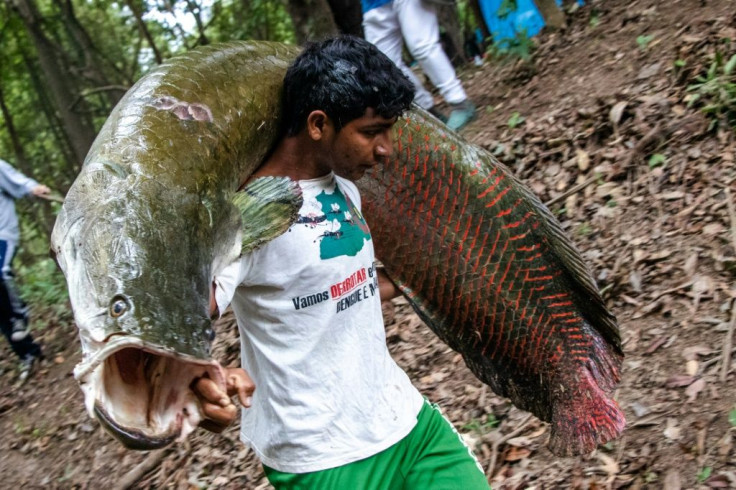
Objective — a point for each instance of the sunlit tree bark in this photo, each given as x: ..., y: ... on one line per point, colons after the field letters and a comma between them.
x: 77, y: 124
x: 312, y: 19
x: 138, y: 14
x: 553, y: 16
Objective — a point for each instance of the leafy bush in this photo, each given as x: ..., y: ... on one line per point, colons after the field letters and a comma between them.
x: 715, y: 91
x: 521, y: 46
x: 43, y: 287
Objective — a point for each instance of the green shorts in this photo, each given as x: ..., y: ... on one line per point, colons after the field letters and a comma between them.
x: 431, y: 457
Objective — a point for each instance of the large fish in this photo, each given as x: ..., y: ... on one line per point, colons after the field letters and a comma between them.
x: 154, y: 215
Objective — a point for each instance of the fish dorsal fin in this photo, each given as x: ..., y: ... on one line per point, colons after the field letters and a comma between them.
x: 268, y: 206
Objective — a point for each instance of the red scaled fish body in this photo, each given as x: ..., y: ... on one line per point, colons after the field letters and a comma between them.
x: 491, y: 272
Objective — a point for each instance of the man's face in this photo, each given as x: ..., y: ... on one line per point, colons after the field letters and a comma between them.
x: 360, y: 145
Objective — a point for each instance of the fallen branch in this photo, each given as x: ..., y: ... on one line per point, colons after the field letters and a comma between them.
x: 510, y: 435
x: 573, y: 190
x: 729, y: 333
x: 152, y: 461
x: 654, y: 134
x: 728, y: 344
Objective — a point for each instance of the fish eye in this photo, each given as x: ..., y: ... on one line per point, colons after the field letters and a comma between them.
x: 118, y: 306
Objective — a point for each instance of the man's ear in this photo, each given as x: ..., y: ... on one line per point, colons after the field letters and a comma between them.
x: 317, y: 123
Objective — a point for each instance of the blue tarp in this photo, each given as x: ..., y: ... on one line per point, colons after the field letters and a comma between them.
x: 505, y: 23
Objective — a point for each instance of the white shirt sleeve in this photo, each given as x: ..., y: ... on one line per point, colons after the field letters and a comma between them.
x: 228, y: 280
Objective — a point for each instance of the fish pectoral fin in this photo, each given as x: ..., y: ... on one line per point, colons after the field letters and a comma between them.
x: 268, y: 206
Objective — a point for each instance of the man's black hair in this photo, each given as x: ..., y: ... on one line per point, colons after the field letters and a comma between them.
x: 343, y: 76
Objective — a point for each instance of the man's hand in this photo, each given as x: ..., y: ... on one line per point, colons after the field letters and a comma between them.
x: 40, y: 190
x: 217, y: 407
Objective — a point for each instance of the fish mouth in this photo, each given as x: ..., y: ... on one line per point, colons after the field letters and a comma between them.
x: 141, y: 394
x: 131, y: 438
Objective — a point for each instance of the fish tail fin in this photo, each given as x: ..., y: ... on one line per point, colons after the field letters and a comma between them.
x: 585, y: 417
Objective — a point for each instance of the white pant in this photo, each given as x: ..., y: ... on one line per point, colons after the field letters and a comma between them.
x: 416, y: 22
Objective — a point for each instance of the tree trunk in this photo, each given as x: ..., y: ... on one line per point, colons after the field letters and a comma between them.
x: 42, y: 214
x: 20, y: 155
x: 144, y: 29
x: 451, y: 38
x: 551, y: 13
x: 77, y: 126
x: 480, y: 20
x: 92, y: 68
x: 348, y: 16
x: 196, y: 10
x: 312, y: 19
x: 54, y: 123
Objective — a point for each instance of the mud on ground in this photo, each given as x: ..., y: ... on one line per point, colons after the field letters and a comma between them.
x: 602, y: 108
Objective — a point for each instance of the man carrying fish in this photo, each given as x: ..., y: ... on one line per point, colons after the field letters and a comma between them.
x: 327, y: 406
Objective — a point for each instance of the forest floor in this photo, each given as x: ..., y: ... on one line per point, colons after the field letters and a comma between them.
x: 604, y: 103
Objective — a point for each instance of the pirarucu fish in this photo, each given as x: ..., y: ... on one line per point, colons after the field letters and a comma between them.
x: 155, y: 214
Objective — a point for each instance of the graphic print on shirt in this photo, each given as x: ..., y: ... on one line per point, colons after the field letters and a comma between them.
x: 345, y: 231
x: 361, y: 284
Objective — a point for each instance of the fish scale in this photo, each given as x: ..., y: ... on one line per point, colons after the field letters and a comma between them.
x: 489, y: 269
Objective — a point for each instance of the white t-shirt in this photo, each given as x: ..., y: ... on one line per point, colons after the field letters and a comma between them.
x: 327, y: 391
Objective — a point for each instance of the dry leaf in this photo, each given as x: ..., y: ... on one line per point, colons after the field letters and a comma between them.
x: 672, y: 196
x: 609, y: 465
x: 635, y: 278
x: 672, y: 480
x: 713, y: 229
x: 695, y: 388
x: 517, y: 453
x: 718, y: 481
x: 583, y: 160
x: 691, y: 367
x: 672, y: 432
x: 692, y: 352
x: 617, y: 111
x: 679, y: 380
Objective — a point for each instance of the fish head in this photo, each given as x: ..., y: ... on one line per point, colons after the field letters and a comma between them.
x: 138, y: 260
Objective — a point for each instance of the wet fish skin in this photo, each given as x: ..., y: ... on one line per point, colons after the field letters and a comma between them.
x: 148, y: 222
x: 489, y: 269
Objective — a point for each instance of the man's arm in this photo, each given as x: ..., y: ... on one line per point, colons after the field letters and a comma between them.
x: 387, y: 290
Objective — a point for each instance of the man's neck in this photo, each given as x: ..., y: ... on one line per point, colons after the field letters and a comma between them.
x: 293, y: 157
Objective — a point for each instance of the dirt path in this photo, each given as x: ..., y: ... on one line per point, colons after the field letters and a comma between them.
x: 597, y: 103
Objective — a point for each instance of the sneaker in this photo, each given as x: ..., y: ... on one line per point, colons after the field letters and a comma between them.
x: 462, y: 113
x: 20, y: 329
x: 438, y: 114
x: 27, y: 365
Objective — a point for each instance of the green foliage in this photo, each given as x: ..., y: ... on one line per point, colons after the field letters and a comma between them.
x: 643, y: 41
x: 265, y: 20
x: 732, y: 417
x: 43, y: 287
x: 715, y: 91
x: 657, y: 160
x: 506, y: 7
x: 650, y: 477
x: 704, y: 474
x: 516, y: 120
x: 595, y: 18
x: 480, y: 426
x: 519, y: 47
x: 584, y: 229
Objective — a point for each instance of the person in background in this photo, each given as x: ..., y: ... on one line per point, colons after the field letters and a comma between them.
x: 388, y: 23
x: 13, y: 311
